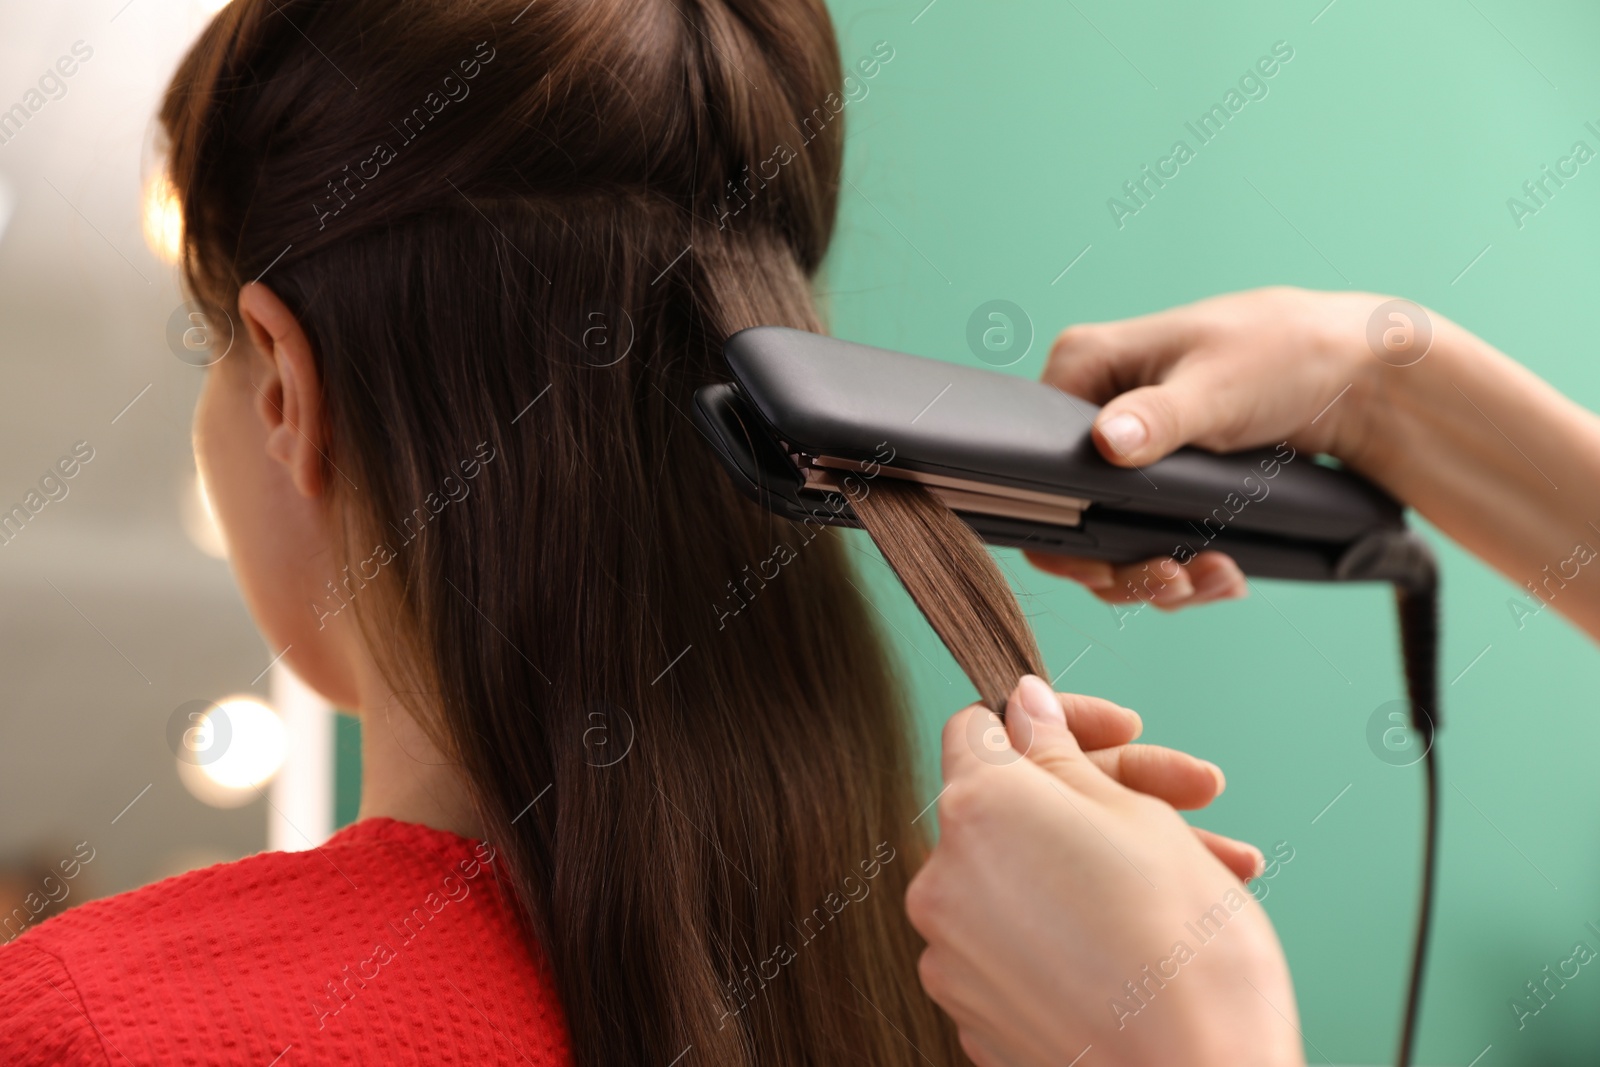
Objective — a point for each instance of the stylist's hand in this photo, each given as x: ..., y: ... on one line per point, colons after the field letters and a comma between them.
x: 1053, y: 887
x: 1105, y: 731
x: 1228, y: 373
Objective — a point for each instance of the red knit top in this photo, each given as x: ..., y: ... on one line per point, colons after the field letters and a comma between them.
x: 390, y: 944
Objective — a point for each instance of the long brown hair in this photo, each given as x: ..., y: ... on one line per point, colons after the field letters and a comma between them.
x: 954, y: 581
x: 516, y: 235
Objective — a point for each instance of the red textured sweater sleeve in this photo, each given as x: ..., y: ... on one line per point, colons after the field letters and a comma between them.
x: 42, y: 1018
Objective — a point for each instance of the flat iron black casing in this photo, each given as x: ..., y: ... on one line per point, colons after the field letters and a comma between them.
x: 802, y: 392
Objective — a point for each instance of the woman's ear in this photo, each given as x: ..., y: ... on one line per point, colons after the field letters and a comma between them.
x: 288, y: 390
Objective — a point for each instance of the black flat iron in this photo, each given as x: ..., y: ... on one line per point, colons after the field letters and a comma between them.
x: 1015, y: 460
x: 808, y: 420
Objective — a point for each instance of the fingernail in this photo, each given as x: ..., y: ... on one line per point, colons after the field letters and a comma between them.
x: 1125, y: 432
x: 1178, y: 587
x: 1222, y: 779
x: 1040, y: 701
x: 1214, y: 584
x: 1261, y: 863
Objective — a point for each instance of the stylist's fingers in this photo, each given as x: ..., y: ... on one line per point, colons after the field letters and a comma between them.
x: 1167, y: 584
x: 1098, y: 360
x: 1215, y: 576
x: 1182, y: 780
x: 1098, y: 723
x: 1036, y: 724
x: 1162, y: 581
x: 1244, y: 860
x: 1092, y: 574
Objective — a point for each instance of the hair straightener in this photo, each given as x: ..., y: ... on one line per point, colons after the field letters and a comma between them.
x: 808, y: 421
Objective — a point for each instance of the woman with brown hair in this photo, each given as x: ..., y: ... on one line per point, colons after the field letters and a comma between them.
x: 478, y: 256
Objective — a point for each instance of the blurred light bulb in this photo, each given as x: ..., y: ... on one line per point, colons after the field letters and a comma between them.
x: 200, y: 521
x: 163, y: 218
x: 249, y: 743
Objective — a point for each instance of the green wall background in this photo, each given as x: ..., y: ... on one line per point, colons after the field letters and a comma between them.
x: 980, y: 163
x: 980, y: 160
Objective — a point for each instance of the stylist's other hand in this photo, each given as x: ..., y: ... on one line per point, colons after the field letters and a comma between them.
x: 1063, y: 910
x: 1227, y: 373
x: 1106, y: 732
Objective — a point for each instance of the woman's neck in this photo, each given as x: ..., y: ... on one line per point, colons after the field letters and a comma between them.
x: 404, y: 775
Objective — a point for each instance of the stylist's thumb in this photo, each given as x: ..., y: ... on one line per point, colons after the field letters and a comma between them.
x: 1037, y: 726
x: 1144, y: 424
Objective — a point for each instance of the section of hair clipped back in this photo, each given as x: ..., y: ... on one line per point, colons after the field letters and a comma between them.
x: 955, y: 583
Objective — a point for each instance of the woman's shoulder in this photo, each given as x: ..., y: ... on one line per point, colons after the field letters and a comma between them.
x: 276, y: 898
x: 390, y: 939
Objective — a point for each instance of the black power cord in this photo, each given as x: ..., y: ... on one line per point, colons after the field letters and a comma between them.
x: 1417, y: 601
